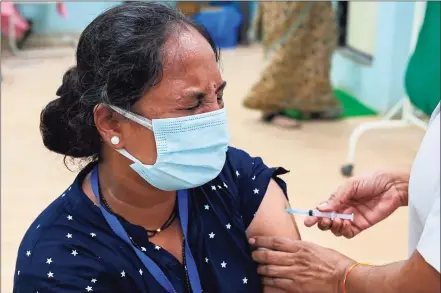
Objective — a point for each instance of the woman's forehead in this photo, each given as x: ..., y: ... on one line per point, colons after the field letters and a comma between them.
x: 188, y: 52
x: 189, y: 66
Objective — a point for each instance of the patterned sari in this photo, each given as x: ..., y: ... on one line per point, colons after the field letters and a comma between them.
x: 299, y: 39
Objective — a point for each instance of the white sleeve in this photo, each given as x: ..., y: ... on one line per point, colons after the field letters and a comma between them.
x: 429, y: 243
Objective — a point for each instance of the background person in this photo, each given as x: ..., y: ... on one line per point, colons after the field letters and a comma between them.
x: 300, y: 39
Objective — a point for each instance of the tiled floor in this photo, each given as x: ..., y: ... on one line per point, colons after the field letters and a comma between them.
x: 32, y: 177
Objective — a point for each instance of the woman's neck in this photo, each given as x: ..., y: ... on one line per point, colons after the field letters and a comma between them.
x: 134, y: 199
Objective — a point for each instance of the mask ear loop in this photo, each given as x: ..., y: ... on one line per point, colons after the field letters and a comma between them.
x: 126, y: 154
x: 132, y: 116
x: 136, y: 118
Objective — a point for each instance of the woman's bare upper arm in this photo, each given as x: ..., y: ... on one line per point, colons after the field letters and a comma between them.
x: 271, y: 218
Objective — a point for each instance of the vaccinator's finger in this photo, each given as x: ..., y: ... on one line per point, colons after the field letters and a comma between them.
x: 311, y: 221
x: 336, y: 227
x: 324, y: 224
x: 275, y: 243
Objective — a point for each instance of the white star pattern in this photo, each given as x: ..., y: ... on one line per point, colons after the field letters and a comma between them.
x: 217, y: 185
x: 63, y: 195
x: 69, y: 188
x: 18, y: 273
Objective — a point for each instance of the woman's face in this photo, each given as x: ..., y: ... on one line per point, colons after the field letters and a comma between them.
x: 191, y: 84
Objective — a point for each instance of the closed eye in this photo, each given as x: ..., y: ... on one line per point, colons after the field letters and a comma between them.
x: 194, y: 107
x: 199, y: 98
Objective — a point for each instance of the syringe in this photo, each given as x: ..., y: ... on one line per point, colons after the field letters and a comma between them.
x: 317, y: 213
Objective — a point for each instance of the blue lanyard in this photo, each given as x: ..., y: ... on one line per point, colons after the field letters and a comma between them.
x: 149, y: 264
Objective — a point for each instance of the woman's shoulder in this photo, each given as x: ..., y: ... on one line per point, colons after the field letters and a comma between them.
x: 53, y: 261
x: 238, y: 168
x: 237, y: 156
x: 241, y: 167
x: 239, y: 163
x: 62, y: 239
x: 243, y: 183
x: 69, y: 211
x: 49, y: 218
x: 55, y: 226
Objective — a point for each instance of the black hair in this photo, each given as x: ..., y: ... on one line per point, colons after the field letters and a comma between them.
x: 118, y: 59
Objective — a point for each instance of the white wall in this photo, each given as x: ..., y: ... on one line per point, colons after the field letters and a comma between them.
x: 381, y: 84
x: 362, y: 25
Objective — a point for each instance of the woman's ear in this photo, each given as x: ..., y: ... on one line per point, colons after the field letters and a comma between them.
x: 108, y: 124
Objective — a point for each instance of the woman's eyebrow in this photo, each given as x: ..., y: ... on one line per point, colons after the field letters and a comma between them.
x: 221, y: 87
x: 201, y: 95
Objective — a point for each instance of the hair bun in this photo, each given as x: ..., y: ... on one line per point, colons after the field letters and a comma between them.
x: 70, y: 87
x: 62, y: 124
x: 53, y: 127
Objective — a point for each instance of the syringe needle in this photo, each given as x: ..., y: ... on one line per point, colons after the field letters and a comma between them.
x: 317, y: 213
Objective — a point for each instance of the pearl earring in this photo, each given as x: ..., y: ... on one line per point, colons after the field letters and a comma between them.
x: 114, y: 140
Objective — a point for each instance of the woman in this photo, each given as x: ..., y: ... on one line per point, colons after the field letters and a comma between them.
x: 303, y: 267
x: 164, y: 205
x: 301, y: 37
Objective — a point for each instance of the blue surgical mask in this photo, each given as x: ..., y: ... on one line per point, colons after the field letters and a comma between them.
x: 191, y: 150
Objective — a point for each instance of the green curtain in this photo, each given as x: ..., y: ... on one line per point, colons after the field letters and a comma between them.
x: 422, y: 80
